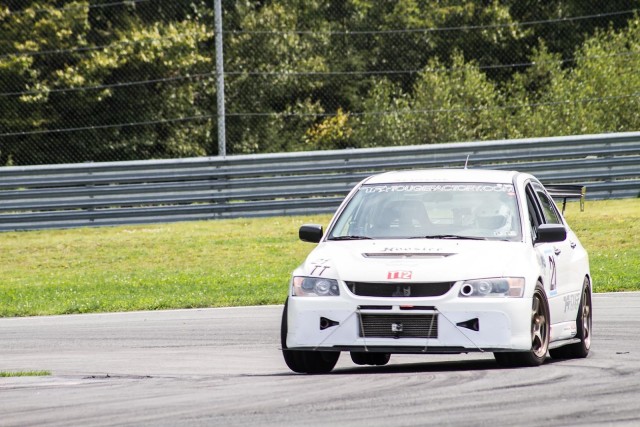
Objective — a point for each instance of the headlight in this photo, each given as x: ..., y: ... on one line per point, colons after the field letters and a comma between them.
x: 495, y: 287
x: 315, y: 286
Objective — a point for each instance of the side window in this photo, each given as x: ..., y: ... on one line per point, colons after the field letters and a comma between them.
x: 533, y: 213
x: 548, y: 208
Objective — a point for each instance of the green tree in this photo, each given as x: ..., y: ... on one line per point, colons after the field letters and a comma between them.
x: 70, y: 61
x: 264, y: 86
x: 134, y: 80
x: 599, y: 93
x: 24, y: 33
x: 386, y: 119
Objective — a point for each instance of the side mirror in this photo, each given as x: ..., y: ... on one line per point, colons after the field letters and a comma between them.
x: 550, y: 233
x: 311, y: 233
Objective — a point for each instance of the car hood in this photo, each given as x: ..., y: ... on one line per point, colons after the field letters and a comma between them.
x: 412, y: 260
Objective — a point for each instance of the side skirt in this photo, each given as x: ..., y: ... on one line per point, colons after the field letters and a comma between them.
x: 557, y: 344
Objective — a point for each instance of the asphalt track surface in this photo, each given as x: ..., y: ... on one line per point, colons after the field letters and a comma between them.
x: 223, y: 367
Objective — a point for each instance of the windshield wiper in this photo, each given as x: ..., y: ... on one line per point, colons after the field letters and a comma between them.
x: 349, y: 238
x: 449, y: 236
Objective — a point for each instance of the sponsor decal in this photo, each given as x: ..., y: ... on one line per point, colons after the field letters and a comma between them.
x: 409, y: 250
x: 571, y: 302
x: 398, y: 188
x: 399, y: 275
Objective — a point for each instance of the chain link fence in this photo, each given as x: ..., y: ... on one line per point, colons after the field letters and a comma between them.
x: 111, y: 80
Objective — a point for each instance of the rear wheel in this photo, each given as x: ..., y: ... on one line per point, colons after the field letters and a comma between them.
x: 305, y: 361
x: 580, y: 349
x: 539, y: 335
x: 377, y: 359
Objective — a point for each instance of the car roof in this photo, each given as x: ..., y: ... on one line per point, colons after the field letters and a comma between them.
x: 443, y: 175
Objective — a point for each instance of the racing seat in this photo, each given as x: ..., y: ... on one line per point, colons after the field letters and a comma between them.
x: 386, y: 221
x: 414, y: 217
x: 402, y: 219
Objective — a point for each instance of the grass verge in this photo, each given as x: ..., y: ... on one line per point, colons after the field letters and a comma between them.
x: 178, y: 265
x: 6, y: 374
x: 609, y: 230
x: 227, y: 262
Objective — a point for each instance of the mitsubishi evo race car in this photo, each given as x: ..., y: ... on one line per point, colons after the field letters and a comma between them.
x: 440, y: 261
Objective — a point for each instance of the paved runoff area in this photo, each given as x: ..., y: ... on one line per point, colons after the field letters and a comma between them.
x: 224, y: 367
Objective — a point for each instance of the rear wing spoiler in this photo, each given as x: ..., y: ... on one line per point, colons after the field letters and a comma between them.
x: 567, y: 191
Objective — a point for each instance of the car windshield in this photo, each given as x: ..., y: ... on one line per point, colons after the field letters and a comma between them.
x: 430, y: 210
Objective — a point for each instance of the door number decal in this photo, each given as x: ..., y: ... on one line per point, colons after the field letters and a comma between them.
x: 553, y: 281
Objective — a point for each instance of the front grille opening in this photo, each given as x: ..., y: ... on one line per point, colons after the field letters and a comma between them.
x: 398, y: 326
x: 401, y: 290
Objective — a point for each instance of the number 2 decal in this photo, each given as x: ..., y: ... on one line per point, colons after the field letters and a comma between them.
x: 553, y: 280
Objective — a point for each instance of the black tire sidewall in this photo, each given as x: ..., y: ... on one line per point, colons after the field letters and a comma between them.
x: 301, y: 361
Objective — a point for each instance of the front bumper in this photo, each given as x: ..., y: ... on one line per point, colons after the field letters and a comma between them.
x: 447, y: 324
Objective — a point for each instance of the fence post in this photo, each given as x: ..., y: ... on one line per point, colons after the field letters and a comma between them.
x: 222, y: 145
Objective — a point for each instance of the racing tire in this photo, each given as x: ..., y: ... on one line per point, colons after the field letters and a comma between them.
x: 540, y: 330
x: 376, y: 359
x: 303, y: 361
x: 579, y: 350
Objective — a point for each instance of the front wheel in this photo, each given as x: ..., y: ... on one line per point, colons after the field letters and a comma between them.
x: 579, y: 350
x: 305, y: 361
x: 539, y: 335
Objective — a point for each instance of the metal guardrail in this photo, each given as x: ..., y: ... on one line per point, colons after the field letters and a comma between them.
x: 92, y: 194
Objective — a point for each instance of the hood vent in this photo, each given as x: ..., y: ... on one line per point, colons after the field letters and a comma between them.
x: 395, y: 255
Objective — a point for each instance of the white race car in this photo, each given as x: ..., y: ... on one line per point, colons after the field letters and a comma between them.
x: 440, y: 261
